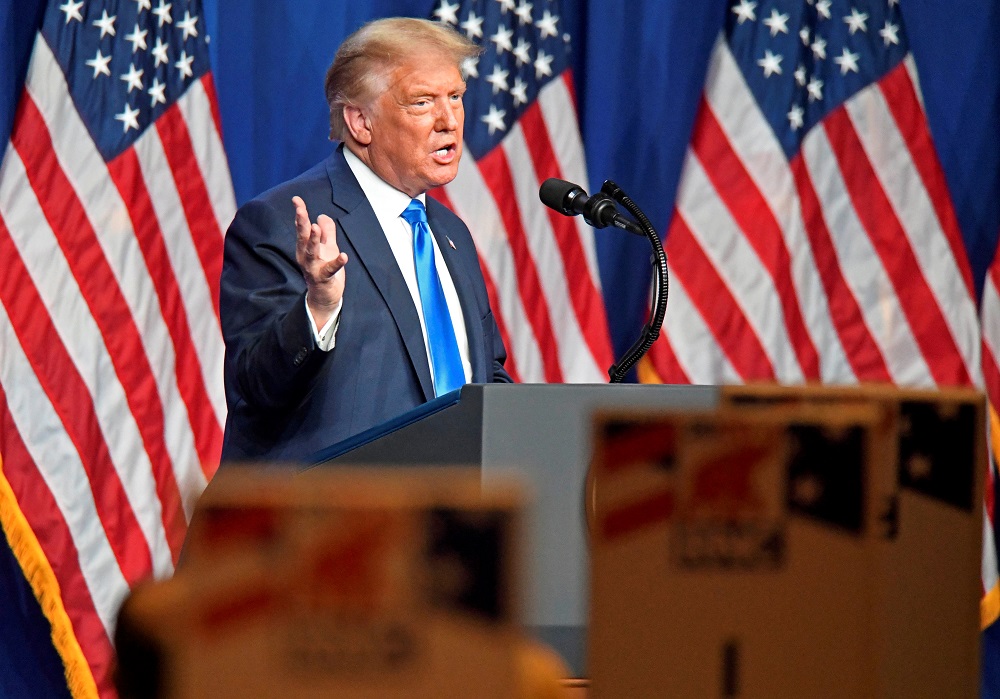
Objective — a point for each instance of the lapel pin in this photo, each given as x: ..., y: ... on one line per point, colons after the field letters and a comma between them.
x: 450, y: 243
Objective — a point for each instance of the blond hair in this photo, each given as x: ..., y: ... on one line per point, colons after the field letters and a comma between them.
x: 364, y: 61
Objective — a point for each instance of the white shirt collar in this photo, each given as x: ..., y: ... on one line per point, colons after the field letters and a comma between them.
x: 387, y: 201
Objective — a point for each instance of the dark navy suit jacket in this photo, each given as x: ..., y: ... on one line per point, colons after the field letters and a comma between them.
x: 287, y: 398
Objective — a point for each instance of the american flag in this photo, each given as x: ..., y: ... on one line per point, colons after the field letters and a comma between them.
x: 114, y: 195
x: 990, y: 323
x: 813, y: 237
x: 521, y: 128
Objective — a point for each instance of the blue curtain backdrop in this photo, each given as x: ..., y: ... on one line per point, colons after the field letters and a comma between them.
x: 639, y: 68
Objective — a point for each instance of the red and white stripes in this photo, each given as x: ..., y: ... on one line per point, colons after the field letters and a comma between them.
x: 990, y: 319
x: 844, y: 264
x: 110, y: 348
x: 541, y: 266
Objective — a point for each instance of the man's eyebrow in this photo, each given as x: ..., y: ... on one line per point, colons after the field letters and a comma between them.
x: 426, y: 91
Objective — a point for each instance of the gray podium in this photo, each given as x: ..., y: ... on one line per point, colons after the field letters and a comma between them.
x: 542, y: 433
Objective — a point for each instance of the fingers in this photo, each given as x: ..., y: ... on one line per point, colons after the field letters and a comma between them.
x: 332, y: 256
x: 316, y: 249
x: 301, y: 219
x: 322, y: 242
x: 327, y: 230
x: 334, y: 265
x: 309, y: 236
x: 319, y: 257
x: 303, y: 232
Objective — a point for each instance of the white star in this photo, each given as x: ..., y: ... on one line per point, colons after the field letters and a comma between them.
x: 800, y: 75
x: 142, y: 5
x: 523, y: 11
x: 502, y: 39
x: 777, y: 22
x: 847, y: 61
x: 543, y: 65
x: 133, y: 77
x: 519, y: 92
x: 521, y: 52
x: 498, y: 79
x: 128, y: 118
x: 547, y: 25
x: 473, y: 26
x: 889, y: 33
x: 823, y: 8
x: 72, y: 10
x: 819, y: 48
x: 156, y: 93
x: 162, y: 13
x: 804, y: 35
x: 856, y: 20
x: 893, y: 3
x: 447, y: 13
x: 470, y: 67
x: 770, y: 63
x: 138, y: 38
x: 795, y: 115
x: 105, y: 24
x: 506, y: 6
x: 160, y: 52
x: 495, y: 119
x: 744, y: 11
x: 188, y: 25
x: 183, y: 64
x: 100, y: 64
x: 815, y: 89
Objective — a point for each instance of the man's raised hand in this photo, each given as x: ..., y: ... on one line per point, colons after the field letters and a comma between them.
x: 321, y: 261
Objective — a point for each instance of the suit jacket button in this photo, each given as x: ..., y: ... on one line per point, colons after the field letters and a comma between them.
x: 301, y: 356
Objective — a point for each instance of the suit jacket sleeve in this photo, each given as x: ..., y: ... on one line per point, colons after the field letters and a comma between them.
x: 495, y: 347
x: 500, y: 374
x: 271, y: 353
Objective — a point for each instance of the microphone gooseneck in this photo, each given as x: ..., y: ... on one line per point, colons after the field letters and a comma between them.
x: 599, y: 211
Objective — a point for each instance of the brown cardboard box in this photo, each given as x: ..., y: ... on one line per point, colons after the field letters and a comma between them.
x: 929, y: 566
x: 760, y: 553
x: 339, y: 583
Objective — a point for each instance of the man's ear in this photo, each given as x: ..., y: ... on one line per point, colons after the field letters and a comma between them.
x: 358, y: 124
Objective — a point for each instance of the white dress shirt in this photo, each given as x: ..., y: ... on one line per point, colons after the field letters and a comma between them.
x: 389, y: 203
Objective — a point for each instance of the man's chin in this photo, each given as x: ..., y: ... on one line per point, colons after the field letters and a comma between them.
x: 445, y: 175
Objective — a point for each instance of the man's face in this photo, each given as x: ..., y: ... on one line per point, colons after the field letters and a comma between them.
x: 417, y: 124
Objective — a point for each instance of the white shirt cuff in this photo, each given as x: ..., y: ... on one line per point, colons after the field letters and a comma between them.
x: 327, y: 335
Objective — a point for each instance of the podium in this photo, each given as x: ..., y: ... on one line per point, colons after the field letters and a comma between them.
x: 541, y: 433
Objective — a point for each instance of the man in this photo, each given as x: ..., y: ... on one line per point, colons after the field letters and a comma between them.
x: 336, y: 323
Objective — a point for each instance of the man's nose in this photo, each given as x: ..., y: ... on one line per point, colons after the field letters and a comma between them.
x: 447, y: 118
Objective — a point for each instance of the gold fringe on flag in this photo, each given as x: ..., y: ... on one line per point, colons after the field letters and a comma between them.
x: 989, y: 605
x: 38, y: 572
x: 646, y: 372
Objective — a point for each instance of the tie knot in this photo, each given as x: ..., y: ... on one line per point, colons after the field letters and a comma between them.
x: 415, y: 213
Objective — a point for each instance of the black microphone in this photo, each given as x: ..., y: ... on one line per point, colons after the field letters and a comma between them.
x: 599, y: 210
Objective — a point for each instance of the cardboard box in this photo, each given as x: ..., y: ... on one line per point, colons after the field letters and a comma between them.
x: 776, y: 552
x: 339, y: 583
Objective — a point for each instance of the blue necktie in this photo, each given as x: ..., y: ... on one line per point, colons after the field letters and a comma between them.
x: 446, y: 362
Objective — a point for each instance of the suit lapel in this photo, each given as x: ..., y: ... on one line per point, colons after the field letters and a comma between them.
x: 466, y: 289
x: 361, y: 227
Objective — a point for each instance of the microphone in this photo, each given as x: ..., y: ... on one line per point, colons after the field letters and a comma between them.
x: 599, y: 210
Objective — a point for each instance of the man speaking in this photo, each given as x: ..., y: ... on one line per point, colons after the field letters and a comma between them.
x: 349, y: 297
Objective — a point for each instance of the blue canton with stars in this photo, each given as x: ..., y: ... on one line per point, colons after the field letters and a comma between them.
x: 524, y: 48
x: 801, y: 60
x: 126, y: 61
